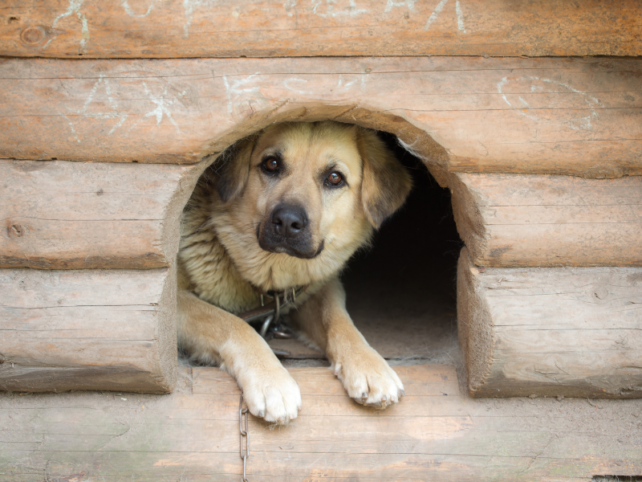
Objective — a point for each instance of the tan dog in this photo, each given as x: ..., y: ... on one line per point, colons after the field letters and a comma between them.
x: 286, y: 208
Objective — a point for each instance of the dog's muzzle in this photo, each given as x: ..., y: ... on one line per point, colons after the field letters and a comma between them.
x: 287, y: 230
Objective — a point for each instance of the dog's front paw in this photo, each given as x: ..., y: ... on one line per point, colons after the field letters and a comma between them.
x: 368, y: 378
x: 271, y: 393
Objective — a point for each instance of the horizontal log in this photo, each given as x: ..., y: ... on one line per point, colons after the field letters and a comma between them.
x: 193, y: 434
x: 87, y: 330
x: 572, y: 332
x: 62, y: 215
x: 514, y: 220
x: 547, y: 116
x: 250, y: 28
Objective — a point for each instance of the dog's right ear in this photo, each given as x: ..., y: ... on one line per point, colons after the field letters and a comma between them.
x: 232, y: 169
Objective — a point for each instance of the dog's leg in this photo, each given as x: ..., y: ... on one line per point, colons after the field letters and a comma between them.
x: 366, y: 376
x: 206, y: 331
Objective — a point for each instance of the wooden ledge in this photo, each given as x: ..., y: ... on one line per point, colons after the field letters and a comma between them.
x: 433, y: 434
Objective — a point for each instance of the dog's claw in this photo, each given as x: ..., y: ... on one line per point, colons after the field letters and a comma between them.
x: 364, y: 396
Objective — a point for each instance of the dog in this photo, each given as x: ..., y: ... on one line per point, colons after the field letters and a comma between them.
x: 282, y: 211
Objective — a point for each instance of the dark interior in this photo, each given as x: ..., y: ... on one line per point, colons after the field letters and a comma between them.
x: 401, y: 292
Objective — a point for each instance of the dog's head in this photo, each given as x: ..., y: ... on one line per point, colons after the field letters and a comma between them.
x: 304, y: 196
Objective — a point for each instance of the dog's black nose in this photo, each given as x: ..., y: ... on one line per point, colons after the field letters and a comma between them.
x: 289, y: 221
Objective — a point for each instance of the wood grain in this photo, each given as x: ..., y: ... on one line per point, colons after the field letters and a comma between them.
x: 514, y: 220
x: 87, y: 330
x: 192, y: 435
x: 62, y: 215
x: 547, y: 116
x: 196, y: 28
x: 550, y: 331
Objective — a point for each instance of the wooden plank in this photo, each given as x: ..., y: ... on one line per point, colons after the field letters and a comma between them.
x: 251, y: 28
x: 513, y: 220
x: 62, y: 215
x: 194, y: 437
x: 550, y: 116
x: 87, y: 330
x: 571, y: 332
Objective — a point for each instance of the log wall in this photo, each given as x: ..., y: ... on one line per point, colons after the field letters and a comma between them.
x: 88, y: 330
x: 98, y: 158
x: 510, y: 220
x: 573, y: 332
x: 540, y: 116
x: 259, y: 28
x: 62, y: 215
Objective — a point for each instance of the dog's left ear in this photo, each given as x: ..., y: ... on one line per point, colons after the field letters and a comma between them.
x: 232, y: 170
x: 386, y: 183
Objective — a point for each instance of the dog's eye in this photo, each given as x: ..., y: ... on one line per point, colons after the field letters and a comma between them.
x: 334, y: 179
x: 271, y: 165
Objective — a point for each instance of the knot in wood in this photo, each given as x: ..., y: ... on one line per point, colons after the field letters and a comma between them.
x: 34, y: 35
x: 600, y: 292
x: 15, y: 230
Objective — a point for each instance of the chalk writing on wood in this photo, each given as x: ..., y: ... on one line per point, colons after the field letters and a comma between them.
x: 553, y: 92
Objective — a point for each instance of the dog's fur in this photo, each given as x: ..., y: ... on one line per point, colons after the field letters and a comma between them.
x: 230, y: 254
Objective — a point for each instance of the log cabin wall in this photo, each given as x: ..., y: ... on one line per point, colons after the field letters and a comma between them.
x: 98, y: 156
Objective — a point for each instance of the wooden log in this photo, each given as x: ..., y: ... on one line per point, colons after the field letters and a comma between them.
x: 509, y: 220
x: 434, y: 433
x: 573, y: 332
x: 250, y: 28
x: 87, y: 330
x: 63, y: 215
x: 547, y: 116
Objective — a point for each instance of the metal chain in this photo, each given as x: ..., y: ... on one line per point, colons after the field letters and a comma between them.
x: 244, y: 416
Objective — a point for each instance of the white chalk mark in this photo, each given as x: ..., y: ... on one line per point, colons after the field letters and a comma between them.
x: 74, y: 7
x: 84, y: 111
x: 460, y: 18
x: 237, y: 87
x: 286, y: 84
x: 410, y: 4
x: 189, y: 6
x: 581, y: 123
x: 351, y: 11
x: 162, y: 107
x: 289, y: 5
x: 71, y: 126
x: 438, y: 9
x: 342, y: 85
x: 85, y: 34
x: 131, y: 13
x: 440, y: 6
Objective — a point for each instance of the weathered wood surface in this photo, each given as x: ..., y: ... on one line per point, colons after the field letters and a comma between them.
x: 547, y: 116
x: 433, y: 434
x: 509, y: 220
x: 251, y: 28
x: 572, y: 332
x: 63, y: 215
x: 87, y: 329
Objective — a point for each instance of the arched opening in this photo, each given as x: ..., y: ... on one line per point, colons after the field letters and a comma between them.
x: 401, y: 291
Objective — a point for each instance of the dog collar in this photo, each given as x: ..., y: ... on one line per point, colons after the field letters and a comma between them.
x: 272, y: 311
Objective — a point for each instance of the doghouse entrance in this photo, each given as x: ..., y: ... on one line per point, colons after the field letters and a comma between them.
x: 401, y: 292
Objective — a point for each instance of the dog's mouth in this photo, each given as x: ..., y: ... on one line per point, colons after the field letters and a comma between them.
x: 300, y: 247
